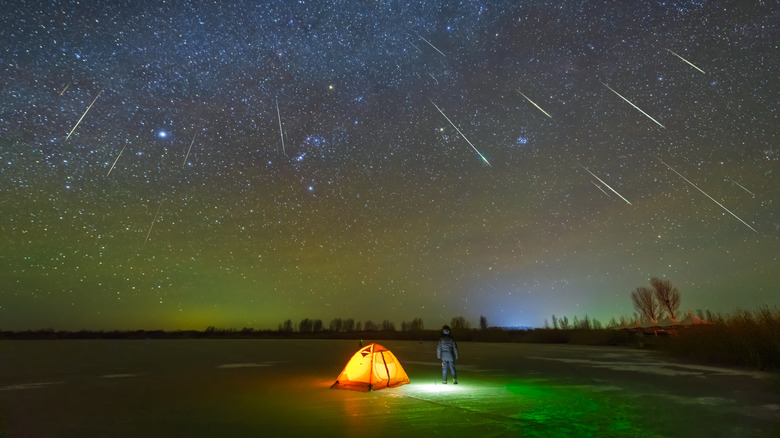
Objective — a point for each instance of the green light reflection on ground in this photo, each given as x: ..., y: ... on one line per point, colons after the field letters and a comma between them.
x: 538, y: 408
x: 573, y: 411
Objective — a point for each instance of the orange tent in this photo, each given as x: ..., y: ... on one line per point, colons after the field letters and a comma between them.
x: 372, y: 367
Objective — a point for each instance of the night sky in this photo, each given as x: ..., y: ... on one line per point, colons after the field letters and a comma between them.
x: 178, y: 165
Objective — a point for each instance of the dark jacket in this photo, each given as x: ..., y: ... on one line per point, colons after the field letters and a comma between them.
x: 447, y: 348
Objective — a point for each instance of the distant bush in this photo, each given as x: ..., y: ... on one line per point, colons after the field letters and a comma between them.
x: 604, y: 337
x: 581, y: 337
x: 744, y: 338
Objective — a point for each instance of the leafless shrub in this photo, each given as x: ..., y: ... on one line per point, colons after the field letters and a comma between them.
x: 667, y: 295
x: 646, y: 303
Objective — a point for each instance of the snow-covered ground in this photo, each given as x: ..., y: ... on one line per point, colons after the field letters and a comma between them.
x: 236, y: 388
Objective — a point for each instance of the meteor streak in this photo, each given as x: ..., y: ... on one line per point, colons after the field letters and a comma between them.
x: 281, y: 133
x: 82, y: 116
x: 705, y: 194
x: 688, y: 62
x: 117, y: 159
x: 630, y: 103
x: 461, y: 134
x: 742, y: 187
x: 434, y: 47
x: 63, y: 90
x: 605, y: 184
x: 534, y: 104
x: 153, y: 221
x: 599, y: 187
x: 188, y: 150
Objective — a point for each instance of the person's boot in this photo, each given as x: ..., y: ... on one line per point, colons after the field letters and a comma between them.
x: 455, y: 381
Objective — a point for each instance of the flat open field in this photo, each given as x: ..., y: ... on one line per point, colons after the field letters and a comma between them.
x: 238, y: 388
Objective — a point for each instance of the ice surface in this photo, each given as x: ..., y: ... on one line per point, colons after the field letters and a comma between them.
x: 237, y: 388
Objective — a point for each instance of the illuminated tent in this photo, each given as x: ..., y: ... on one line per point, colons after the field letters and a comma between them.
x: 372, y: 367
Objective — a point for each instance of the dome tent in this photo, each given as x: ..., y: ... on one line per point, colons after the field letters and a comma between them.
x: 372, y: 367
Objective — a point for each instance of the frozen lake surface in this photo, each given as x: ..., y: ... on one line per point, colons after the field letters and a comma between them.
x: 243, y: 388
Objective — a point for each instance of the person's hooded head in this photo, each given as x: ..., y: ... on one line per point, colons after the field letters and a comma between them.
x: 445, y: 330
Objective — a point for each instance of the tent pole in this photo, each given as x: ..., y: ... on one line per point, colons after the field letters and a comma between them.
x: 386, y: 368
x: 371, y: 368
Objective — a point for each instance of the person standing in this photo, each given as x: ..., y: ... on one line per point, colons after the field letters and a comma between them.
x: 447, y: 351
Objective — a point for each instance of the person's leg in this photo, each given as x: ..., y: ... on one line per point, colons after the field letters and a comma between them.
x: 454, y: 373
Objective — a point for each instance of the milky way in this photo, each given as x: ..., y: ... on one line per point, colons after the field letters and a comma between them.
x: 240, y: 165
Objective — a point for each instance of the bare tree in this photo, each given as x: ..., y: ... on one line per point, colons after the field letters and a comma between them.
x: 586, y: 323
x: 414, y: 326
x: 645, y: 303
x: 459, y: 323
x: 667, y: 295
x: 483, y: 325
x: 306, y: 326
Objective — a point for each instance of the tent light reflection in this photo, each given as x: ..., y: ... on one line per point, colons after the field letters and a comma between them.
x: 436, y: 388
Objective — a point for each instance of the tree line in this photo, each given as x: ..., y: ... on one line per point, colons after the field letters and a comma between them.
x: 563, y: 323
x: 651, y: 304
x: 349, y: 325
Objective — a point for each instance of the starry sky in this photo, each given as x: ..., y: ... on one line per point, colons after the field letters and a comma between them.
x: 178, y: 165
